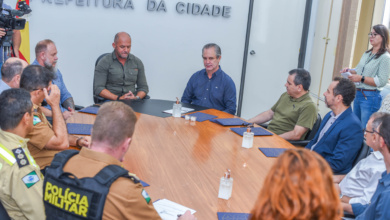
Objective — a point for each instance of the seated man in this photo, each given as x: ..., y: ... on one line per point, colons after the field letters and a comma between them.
x: 378, y: 207
x: 359, y: 185
x: 10, y: 73
x: 120, y: 75
x: 46, y: 140
x: 46, y: 56
x: 211, y: 87
x: 340, y: 135
x: 21, y: 180
x: 111, y: 138
x: 294, y: 114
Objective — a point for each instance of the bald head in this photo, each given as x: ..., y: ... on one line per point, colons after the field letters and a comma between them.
x: 12, y: 67
x: 121, y: 35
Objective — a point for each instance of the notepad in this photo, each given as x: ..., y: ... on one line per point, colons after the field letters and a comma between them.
x: 90, y: 110
x: 83, y: 129
x: 272, y: 152
x: 144, y: 184
x: 258, y: 131
x: 232, y: 216
x: 200, y: 116
x: 230, y: 121
x: 169, y: 210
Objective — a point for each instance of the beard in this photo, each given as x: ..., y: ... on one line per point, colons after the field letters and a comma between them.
x: 51, y: 66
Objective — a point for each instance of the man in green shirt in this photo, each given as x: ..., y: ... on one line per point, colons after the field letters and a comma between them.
x: 294, y: 114
x: 120, y: 75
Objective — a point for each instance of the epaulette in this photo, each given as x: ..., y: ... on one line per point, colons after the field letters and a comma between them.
x: 134, y: 178
x: 21, y: 157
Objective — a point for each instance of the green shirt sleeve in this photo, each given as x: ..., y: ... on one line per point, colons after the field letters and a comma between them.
x: 307, y: 116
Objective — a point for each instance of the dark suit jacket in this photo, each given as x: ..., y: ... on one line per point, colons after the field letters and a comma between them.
x: 341, y: 144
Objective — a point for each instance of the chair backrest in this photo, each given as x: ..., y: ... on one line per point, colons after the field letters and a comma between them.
x: 97, y: 99
x: 312, y: 133
x: 99, y: 58
x: 363, y: 153
x: 3, y: 213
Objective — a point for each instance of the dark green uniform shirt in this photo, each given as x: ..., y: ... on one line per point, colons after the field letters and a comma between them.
x: 110, y: 74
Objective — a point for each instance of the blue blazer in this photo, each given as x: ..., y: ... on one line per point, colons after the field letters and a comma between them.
x: 341, y: 144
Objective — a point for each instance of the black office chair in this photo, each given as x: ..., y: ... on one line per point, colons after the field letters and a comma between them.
x: 98, y: 99
x: 310, y: 135
x: 3, y: 213
x: 363, y: 153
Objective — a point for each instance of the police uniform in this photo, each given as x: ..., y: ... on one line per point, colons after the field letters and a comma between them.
x: 39, y: 137
x: 21, y: 181
x: 125, y: 200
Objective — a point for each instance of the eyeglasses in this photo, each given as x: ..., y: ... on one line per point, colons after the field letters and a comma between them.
x: 372, y: 34
x: 367, y: 131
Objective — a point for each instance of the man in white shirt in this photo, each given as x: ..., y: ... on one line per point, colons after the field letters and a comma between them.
x: 359, y: 185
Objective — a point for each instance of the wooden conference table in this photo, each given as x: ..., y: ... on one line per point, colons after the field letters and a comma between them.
x: 184, y: 161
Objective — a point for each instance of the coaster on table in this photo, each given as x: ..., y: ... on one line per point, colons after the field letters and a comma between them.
x: 272, y: 152
x: 83, y: 129
x: 230, y: 121
x: 200, y: 116
x: 258, y: 131
x: 232, y: 216
x: 90, y: 110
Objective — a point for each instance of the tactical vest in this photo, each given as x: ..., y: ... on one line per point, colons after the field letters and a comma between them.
x: 67, y: 197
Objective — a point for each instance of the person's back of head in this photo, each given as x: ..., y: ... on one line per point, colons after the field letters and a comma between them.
x: 302, y: 77
x: 346, y: 88
x: 12, y: 67
x: 298, y: 186
x: 15, y: 103
x: 35, y: 77
x: 114, y: 123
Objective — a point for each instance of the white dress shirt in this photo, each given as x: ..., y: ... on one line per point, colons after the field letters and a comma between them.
x: 361, y: 182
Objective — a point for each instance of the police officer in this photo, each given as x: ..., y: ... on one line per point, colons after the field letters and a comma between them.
x: 46, y: 140
x: 21, y: 180
x: 126, y: 199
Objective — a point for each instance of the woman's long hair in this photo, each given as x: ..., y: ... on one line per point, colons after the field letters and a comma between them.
x: 384, y: 33
x: 299, y: 186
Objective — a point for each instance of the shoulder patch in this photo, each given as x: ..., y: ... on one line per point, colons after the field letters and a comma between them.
x: 36, y: 120
x: 146, y: 196
x: 20, y: 157
x: 30, y: 179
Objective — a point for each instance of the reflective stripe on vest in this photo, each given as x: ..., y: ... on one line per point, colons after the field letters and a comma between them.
x: 7, y: 155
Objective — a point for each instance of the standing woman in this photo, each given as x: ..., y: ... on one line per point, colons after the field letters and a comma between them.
x: 372, y: 73
x: 298, y: 186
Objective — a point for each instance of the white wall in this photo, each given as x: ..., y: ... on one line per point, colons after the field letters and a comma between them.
x: 168, y: 43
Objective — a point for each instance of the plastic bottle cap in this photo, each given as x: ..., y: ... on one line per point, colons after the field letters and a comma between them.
x: 227, y: 174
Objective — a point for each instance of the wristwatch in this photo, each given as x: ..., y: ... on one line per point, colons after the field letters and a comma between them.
x: 137, y: 97
x: 362, y: 80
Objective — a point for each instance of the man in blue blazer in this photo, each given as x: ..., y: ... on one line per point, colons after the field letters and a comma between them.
x: 340, y: 136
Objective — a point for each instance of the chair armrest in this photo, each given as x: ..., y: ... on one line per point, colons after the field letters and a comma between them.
x: 264, y: 125
x: 78, y: 107
x: 98, y: 99
x: 301, y: 143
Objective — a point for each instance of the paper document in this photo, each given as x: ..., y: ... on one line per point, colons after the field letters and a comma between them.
x: 169, y: 210
x: 346, y: 74
x: 183, y: 110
